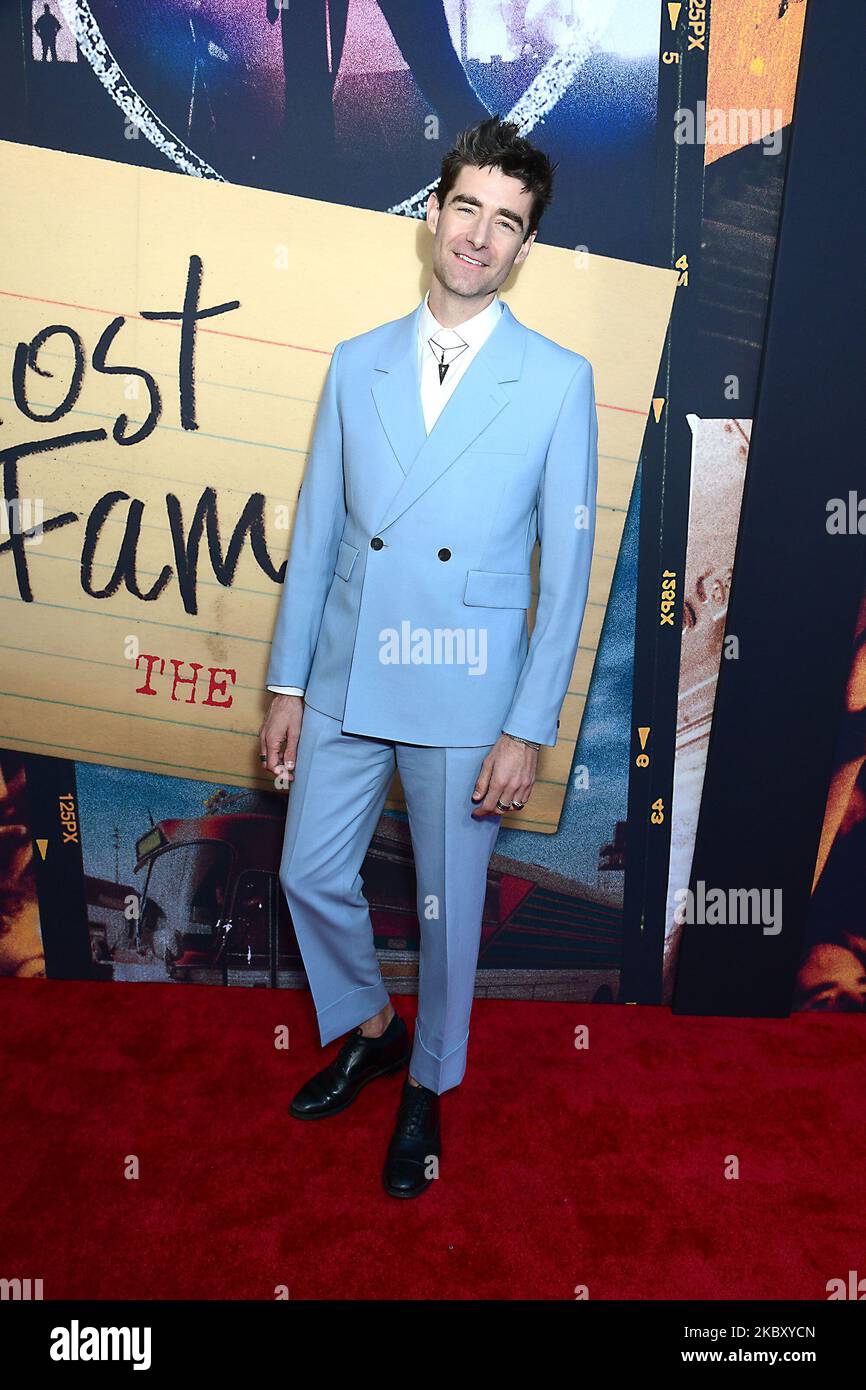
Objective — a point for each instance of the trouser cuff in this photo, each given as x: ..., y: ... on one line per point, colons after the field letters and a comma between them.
x: 437, y: 1073
x: 353, y: 1009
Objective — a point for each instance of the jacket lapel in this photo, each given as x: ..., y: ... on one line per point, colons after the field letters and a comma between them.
x: 475, y: 402
x: 397, y: 392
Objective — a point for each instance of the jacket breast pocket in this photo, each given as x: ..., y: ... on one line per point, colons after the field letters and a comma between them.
x: 498, y: 589
x: 499, y: 441
x: 346, y: 556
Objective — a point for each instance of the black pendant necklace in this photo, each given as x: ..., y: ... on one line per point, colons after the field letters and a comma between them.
x: 439, y: 352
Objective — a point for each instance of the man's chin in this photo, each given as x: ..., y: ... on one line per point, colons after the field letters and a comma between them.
x: 468, y: 287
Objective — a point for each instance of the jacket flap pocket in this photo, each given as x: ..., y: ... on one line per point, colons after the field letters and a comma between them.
x: 346, y: 557
x: 498, y: 590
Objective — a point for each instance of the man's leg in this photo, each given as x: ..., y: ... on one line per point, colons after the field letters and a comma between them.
x: 452, y: 850
x: 335, y: 803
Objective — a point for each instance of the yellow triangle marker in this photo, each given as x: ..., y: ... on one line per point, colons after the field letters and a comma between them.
x: 643, y: 735
x: 674, y: 14
x: 42, y: 846
x: 658, y: 407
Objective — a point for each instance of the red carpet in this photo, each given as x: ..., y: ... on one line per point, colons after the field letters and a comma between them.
x: 560, y: 1167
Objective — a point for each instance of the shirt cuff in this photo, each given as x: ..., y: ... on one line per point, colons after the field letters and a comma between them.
x: 531, y: 742
x: 286, y: 689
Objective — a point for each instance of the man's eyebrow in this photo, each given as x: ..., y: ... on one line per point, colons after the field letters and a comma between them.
x: 476, y: 202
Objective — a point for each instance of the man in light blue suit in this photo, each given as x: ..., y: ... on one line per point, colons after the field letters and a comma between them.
x: 446, y: 444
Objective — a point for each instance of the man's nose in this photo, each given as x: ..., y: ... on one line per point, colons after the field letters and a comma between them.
x: 478, y: 235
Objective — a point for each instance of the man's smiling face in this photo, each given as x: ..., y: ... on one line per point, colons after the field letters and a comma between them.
x: 478, y: 234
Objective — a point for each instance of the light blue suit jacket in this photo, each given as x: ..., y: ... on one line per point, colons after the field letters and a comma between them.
x: 403, y: 612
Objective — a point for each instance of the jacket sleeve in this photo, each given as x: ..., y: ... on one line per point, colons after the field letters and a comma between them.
x: 320, y: 517
x: 566, y: 530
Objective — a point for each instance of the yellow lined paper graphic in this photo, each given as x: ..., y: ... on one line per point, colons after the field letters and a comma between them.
x: 136, y: 627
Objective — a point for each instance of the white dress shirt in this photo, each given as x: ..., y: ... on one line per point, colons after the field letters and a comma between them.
x: 473, y: 331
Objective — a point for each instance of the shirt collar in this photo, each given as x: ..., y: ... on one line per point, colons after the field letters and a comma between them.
x: 475, y: 329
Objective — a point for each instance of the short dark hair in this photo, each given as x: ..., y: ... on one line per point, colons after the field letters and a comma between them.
x: 499, y: 144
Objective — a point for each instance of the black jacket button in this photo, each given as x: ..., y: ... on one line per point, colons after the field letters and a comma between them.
x: 377, y: 543
x: 444, y: 553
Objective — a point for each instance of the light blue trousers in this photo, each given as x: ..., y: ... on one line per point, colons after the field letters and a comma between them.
x: 335, y: 802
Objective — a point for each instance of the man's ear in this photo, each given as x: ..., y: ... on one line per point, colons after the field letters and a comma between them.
x: 432, y: 212
x: 525, y: 248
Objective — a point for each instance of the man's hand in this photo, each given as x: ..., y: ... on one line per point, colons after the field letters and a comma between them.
x: 279, y: 735
x: 507, y: 774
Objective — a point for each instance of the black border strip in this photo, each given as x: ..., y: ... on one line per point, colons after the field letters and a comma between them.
x: 796, y: 588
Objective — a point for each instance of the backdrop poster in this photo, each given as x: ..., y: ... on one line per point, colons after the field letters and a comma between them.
x: 165, y: 359
x: 209, y: 152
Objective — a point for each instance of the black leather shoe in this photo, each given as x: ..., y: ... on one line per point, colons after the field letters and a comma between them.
x: 358, y: 1061
x: 415, y: 1141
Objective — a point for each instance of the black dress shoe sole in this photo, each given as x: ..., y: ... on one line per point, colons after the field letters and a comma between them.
x: 416, y: 1191
x: 344, y: 1105
x: 401, y: 1192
